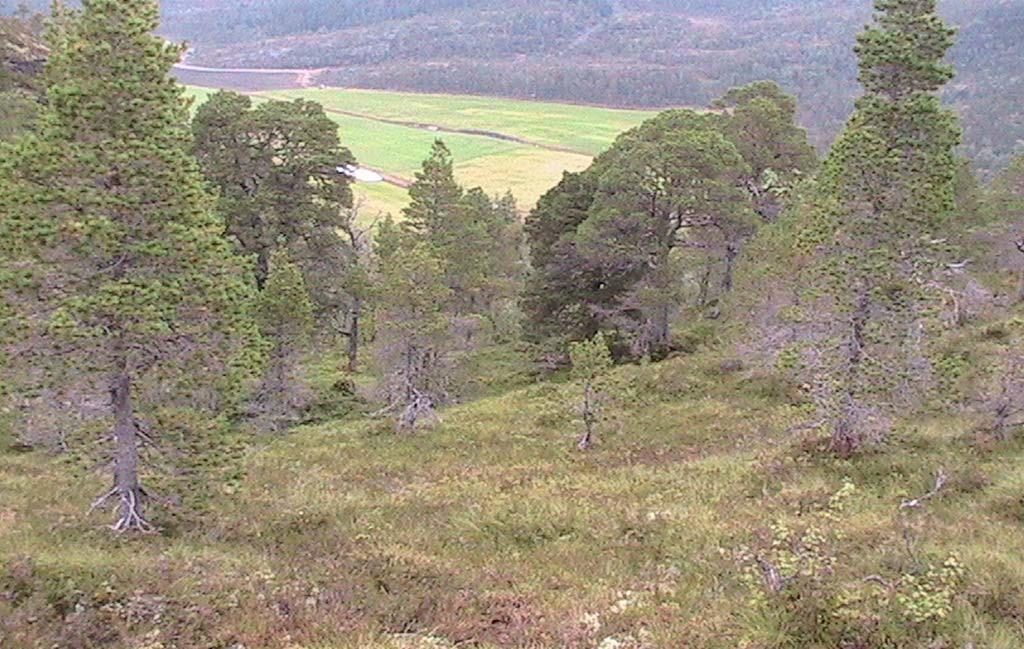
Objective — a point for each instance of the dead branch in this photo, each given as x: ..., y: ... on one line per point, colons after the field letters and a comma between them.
x: 941, y: 480
x: 877, y: 579
x: 391, y: 407
x: 773, y: 579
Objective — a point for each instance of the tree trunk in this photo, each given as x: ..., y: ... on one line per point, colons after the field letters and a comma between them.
x: 589, y: 419
x: 855, y: 344
x: 353, y: 337
x: 1020, y: 284
x: 846, y: 439
x: 663, y: 328
x: 731, y: 252
x: 1001, y: 419
x: 280, y: 409
x: 704, y: 297
x: 127, y: 489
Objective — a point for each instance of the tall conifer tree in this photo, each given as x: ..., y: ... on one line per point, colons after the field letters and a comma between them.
x: 275, y: 167
x: 414, y: 341
x: 435, y: 194
x: 285, y: 316
x: 119, y: 285
x: 471, y: 234
x: 887, y: 189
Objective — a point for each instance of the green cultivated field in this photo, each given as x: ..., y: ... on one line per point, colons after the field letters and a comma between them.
x: 497, y: 166
x: 400, y: 150
x: 585, y: 129
x: 377, y: 200
x: 556, y: 138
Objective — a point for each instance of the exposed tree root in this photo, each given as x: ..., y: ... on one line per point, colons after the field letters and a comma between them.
x: 129, y: 507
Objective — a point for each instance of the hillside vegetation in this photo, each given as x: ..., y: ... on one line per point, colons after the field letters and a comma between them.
x: 688, y: 384
x: 492, y: 532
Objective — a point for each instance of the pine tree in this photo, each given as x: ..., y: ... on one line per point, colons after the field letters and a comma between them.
x: 761, y: 123
x: 123, y: 291
x: 470, y: 233
x: 434, y: 195
x: 413, y: 339
x: 357, y: 285
x: 591, y: 363
x: 991, y: 378
x: 275, y: 167
x: 605, y: 243
x: 886, y: 191
x: 560, y: 286
x: 480, y: 251
x: 284, y: 313
x: 388, y: 240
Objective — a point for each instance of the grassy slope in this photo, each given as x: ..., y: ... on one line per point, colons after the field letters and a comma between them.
x: 490, y: 528
x: 198, y: 95
x: 379, y: 199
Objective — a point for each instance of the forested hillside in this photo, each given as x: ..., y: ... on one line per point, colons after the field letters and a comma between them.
x: 638, y: 53
x: 714, y: 389
x: 626, y: 52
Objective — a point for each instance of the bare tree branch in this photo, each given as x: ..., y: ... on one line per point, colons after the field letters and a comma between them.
x: 941, y: 480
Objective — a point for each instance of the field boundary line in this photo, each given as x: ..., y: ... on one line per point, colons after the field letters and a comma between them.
x: 437, y: 128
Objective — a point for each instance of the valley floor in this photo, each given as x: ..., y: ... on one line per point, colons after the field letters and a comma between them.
x: 501, y: 145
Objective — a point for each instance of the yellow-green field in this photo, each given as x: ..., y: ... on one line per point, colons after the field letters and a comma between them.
x: 500, y: 145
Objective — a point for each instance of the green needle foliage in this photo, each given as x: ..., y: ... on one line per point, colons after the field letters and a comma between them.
x: 611, y: 235
x: 414, y: 339
x: 284, y: 311
x: 886, y: 193
x: 474, y: 237
x: 275, y: 167
x: 591, y: 364
x: 435, y: 194
x: 664, y: 213
x: 761, y: 123
x: 123, y: 299
x: 285, y: 316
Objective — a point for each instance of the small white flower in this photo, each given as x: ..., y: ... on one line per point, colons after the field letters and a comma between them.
x: 591, y: 622
x: 628, y: 600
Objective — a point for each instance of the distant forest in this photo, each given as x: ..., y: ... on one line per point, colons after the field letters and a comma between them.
x: 615, y: 52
